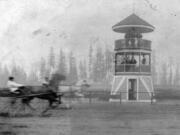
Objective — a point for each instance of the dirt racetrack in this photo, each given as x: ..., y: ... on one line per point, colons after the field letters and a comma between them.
x: 162, y: 118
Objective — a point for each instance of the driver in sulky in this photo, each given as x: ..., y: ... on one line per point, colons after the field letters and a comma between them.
x: 13, y: 86
x: 45, y: 82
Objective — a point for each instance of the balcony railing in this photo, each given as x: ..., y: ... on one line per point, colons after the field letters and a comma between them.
x: 125, y: 68
x: 132, y: 44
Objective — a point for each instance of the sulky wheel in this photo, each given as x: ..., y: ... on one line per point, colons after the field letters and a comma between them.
x: 38, y: 106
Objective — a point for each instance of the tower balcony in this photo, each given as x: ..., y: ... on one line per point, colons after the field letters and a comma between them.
x: 132, y: 69
x: 132, y: 43
x: 132, y: 63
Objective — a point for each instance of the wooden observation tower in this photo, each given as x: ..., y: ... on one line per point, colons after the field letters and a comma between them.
x: 132, y: 77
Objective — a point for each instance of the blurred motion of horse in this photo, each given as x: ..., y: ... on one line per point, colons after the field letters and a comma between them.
x: 28, y: 93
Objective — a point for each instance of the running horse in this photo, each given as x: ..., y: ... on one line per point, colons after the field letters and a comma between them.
x: 49, y: 93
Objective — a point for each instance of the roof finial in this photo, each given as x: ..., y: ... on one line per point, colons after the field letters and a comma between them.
x: 133, y: 6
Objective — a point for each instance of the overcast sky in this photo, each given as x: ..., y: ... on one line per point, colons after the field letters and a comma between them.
x: 28, y: 28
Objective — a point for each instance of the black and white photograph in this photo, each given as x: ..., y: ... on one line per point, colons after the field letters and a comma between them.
x: 89, y: 67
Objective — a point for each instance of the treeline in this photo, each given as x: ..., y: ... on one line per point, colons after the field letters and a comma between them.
x: 165, y: 73
x: 97, y: 66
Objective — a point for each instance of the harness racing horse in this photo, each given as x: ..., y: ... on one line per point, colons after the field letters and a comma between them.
x: 49, y: 93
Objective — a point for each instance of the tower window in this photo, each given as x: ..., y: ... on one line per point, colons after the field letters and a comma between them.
x: 132, y: 62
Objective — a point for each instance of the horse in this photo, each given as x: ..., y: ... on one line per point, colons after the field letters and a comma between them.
x: 49, y: 93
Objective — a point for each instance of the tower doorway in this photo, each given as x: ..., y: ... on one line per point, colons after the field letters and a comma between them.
x: 132, y: 89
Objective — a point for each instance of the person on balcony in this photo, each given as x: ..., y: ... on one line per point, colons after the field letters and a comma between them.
x: 127, y: 60
x: 143, y: 60
x: 124, y: 60
x: 133, y: 60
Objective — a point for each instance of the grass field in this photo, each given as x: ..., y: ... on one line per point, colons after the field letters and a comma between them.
x: 161, y: 118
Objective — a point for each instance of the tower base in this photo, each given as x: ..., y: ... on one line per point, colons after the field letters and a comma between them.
x: 127, y: 88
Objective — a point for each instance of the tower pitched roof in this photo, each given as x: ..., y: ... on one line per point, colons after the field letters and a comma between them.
x: 133, y: 22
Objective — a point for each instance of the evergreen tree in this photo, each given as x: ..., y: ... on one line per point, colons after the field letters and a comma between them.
x: 4, y: 76
x: 177, y: 76
x: 62, y: 68
x: 99, y: 66
x: 163, y: 76
x: 73, y: 75
x: 90, y: 64
x: 108, y: 59
x: 51, y: 62
x: 82, y: 70
x: 108, y: 64
x: 42, y: 68
x: 170, y: 78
